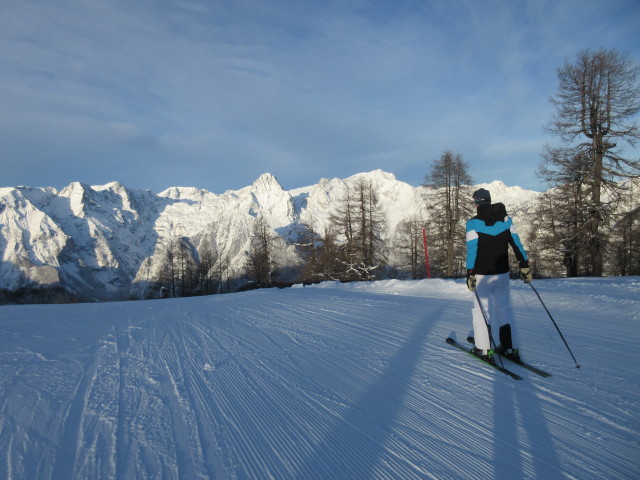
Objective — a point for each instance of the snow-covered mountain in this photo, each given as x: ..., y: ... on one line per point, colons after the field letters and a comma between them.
x: 106, y: 242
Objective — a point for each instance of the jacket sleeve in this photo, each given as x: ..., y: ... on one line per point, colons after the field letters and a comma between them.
x: 472, y: 245
x: 516, y: 244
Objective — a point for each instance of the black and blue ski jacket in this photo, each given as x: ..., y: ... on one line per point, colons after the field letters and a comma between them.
x: 489, y: 235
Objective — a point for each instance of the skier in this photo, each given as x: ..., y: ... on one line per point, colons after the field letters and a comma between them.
x: 164, y: 293
x: 489, y: 235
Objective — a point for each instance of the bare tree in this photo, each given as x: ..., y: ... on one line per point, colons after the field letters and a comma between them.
x: 371, y: 223
x: 320, y: 253
x: 261, y: 254
x: 207, y: 256
x: 410, y: 247
x: 359, y: 220
x: 179, y: 267
x: 563, y: 222
x: 171, y: 270
x: 450, y: 206
x: 187, y: 269
x: 597, y: 100
x: 221, y: 268
x: 310, y: 246
x: 625, y: 242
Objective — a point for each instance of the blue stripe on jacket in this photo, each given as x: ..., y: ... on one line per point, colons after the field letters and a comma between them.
x: 476, y: 227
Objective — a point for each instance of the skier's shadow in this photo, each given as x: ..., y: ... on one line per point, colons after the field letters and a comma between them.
x: 370, y: 420
x: 517, y: 414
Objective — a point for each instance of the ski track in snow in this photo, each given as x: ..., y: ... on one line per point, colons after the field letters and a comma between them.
x: 329, y: 382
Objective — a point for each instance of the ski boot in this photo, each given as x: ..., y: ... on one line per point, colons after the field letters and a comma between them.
x: 485, y: 357
x: 511, y: 353
x: 514, y: 354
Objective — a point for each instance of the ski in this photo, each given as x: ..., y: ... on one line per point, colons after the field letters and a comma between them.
x: 513, y: 375
x: 525, y: 365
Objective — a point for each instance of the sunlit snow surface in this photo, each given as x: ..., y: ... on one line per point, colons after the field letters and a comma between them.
x: 327, y: 382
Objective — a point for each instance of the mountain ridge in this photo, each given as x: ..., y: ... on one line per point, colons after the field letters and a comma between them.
x: 105, y: 242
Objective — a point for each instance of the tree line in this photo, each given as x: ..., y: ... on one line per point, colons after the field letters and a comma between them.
x: 586, y: 224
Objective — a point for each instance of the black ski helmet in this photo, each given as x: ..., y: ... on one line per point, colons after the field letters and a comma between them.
x: 482, y: 197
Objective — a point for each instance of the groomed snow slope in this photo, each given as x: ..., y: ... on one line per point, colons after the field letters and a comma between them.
x: 328, y: 382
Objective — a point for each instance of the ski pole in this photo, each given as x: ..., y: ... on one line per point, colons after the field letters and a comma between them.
x: 555, y: 324
x: 486, y: 322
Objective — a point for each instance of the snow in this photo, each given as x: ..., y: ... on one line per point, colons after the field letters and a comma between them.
x: 332, y: 381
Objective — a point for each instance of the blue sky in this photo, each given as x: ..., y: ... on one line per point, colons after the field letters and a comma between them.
x: 211, y: 94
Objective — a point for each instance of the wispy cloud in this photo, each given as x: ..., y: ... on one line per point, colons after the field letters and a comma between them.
x: 211, y: 94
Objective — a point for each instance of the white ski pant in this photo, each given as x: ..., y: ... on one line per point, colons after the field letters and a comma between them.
x: 493, y: 291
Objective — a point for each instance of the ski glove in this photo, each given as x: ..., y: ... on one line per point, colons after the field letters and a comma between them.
x: 471, y: 280
x: 525, y: 272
